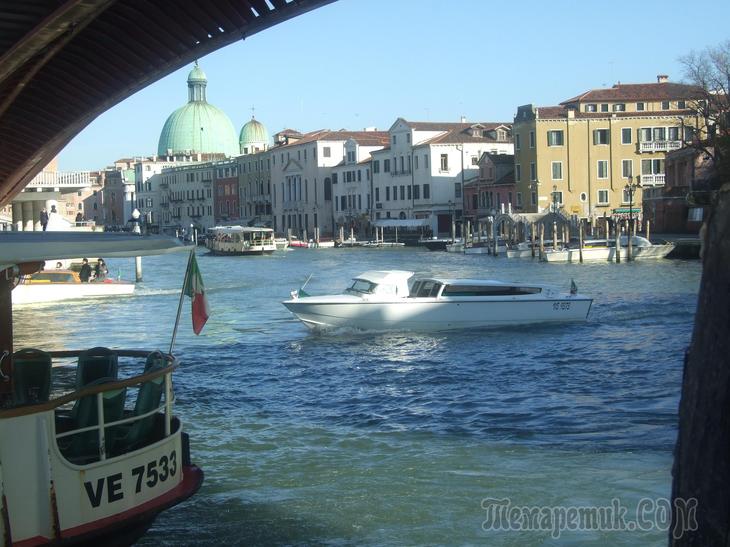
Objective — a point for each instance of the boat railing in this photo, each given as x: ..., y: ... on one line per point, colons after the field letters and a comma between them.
x: 102, y: 423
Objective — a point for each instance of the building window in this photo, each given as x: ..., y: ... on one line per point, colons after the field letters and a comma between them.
x: 518, y: 172
x: 326, y: 151
x: 425, y: 161
x: 376, y: 166
x: 557, y: 170
x: 626, y: 135
x: 652, y: 167
x: 600, y: 136
x: 386, y: 166
x: 604, y: 107
x: 415, y: 161
x: 377, y: 194
x: 402, y: 191
x: 555, y: 137
x: 603, y: 197
x: 444, y: 162
x: 602, y: 169
x: 533, y: 171
x: 640, y: 107
x: 626, y: 197
x: 681, y: 105
x: 426, y: 191
x: 457, y: 189
x: 591, y: 108
x: 417, y: 192
x: 673, y: 133
x: 519, y: 199
x: 619, y: 107
x: 517, y: 141
x: 627, y: 168
x: 394, y: 139
x: 665, y: 105
x: 387, y: 193
x: 532, y: 139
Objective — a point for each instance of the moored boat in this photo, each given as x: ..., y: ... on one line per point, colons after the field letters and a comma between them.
x: 384, y: 300
x: 436, y: 243
x: 98, y: 462
x: 605, y: 251
x: 240, y: 240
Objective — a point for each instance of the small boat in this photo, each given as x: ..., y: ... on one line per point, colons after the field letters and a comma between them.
x: 605, y: 251
x: 295, y: 243
x: 384, y: 300
x: 240, y: 240
x: 522, y: 249
x: 436, y: 243
x: 281, y: 243
x: 96, y: 464
x: 477, y: 248
x: 60, y: 284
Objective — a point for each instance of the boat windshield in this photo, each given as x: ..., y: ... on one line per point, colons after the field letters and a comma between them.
x: 360, y: 286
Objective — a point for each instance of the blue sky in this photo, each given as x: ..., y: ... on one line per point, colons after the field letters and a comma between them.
x: 363, y: 63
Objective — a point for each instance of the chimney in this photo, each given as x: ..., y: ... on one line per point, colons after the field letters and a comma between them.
x: 662, y: 79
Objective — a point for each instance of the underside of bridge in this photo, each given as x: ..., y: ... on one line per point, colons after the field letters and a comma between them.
x: 64, y: 63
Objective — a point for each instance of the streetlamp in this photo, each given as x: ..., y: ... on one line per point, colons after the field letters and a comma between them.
x: 630, y: 188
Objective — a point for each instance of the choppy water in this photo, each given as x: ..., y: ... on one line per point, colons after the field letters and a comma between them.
x: 352, y: 438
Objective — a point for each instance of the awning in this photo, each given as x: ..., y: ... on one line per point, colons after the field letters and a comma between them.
x: 402, y: 223
x: 626, y: 210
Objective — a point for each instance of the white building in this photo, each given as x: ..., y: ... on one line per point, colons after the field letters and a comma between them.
x: 186, y: 197
x: 352, y: 183
x: 421, y: 175
x: 301, y: 180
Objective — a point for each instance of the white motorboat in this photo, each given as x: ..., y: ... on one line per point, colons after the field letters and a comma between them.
x: 240, y: 240
x: 281, y: 243
x: 383, y: 300
x: 605, y: 251
x: 98, y: 463
x: 522, y: 249
x: 60, y: 284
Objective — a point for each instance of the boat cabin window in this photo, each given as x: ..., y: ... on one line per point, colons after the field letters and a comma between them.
x: 488, y: 290
x: 425, y: 289
x: 53, y: 277
x: 360, y: 286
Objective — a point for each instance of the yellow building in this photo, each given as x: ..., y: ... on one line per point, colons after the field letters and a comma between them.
x: 578, y: 157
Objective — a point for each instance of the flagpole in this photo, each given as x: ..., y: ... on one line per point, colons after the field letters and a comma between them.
x: 182, y: 295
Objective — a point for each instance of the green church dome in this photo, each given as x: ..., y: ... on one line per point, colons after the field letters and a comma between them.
x: 198, y: 127
x: 253, y: 133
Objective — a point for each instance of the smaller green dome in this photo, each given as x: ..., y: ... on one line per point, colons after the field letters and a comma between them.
x: 253, y: 133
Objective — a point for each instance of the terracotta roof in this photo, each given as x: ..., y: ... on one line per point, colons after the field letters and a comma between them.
x: 459, y: 132
x: 561, y: 112
x: 365, y: 138
x: 639, y: 92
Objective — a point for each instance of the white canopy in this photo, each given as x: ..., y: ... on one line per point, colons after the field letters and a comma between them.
x: 401, y: 223
x: 21, y: 247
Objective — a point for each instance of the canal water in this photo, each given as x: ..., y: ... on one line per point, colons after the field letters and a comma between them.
x: 351, y: 438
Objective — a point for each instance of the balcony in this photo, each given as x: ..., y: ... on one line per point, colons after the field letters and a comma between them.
x: 652, y: 180
x: 399, y: 173
x: 659, y: 146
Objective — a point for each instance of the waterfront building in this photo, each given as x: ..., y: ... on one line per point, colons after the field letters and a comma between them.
x: 254, y: 168
x: 352, y: 183
x: 119, y: 192
x: 186, y: 197
x: 493, y: 191
x: 226, y: 192
x: 422, y: 173
x: 682, y: 205
x: 301, y: 179
x: 61, y: 193
x: 197, y: 132
x: 584, y: 152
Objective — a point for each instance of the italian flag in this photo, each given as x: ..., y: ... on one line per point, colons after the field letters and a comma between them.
x: 195, y: 289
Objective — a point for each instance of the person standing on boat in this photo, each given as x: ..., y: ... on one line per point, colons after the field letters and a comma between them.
x: 100, y: 270
x: 44, y: 219
x: 85, y: 272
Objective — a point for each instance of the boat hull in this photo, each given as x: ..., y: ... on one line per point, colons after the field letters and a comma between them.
x: 252, y: 251
x: 37, y: 293
x: 429, y: 314
x: 607, y: 254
